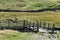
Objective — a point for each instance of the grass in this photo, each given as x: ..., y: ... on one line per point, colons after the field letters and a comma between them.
x: 29, y: 4
x: 58, y: 35
x: 12, y: 35
x: 15, y: 35
x: 47, y: 16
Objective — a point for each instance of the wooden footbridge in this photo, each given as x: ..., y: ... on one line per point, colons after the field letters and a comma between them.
x: 39, y: 26
x: 35, y: 26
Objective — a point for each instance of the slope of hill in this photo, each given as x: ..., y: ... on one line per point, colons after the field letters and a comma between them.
x: 29, y: 4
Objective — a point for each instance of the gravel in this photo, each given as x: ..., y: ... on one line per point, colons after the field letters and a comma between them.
x: 43, y: 36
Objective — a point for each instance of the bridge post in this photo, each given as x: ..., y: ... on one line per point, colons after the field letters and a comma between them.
x: 53, y: 28
x: 33, y: 26
x: 48, y: 25
x: 37, y: 26
x: 40, y: 25
x: 44, y: 25
x: 24, y: 23
x: 29, y: 24
x: 8, y: 20
x: 8, y: 24
x: 15, y: 22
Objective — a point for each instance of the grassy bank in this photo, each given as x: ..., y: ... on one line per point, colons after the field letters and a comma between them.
x: 29, y: 4
x: 15, y: 35
x: 47, y: 16
x: 12, y: 35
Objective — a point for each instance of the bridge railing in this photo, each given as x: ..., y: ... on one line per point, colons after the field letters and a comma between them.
x: 17, y: 25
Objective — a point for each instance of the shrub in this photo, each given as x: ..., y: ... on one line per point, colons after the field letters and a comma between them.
x: 21, y: 5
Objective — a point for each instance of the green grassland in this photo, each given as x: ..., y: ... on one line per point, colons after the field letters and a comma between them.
x: 29, y: 4
x: 13, y: 35
x: 16, y: 35
x: 47, y: 16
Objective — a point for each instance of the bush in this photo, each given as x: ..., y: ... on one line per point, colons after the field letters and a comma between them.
x: 20, y: 5
x: 38, y: 4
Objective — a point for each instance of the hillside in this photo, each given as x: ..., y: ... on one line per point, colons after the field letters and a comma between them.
x: 29, y: 4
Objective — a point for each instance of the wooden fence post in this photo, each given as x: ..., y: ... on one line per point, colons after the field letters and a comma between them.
x: 53, y: 28
x: 37, y: 26
x: 16, y: 26
x: 40, y: 25
x: 48, y: 25
x: 8, y: 24
x: 33, y: 26
x: 44, y: 25
x: 15, y: 22
x: 29, y: 24
x: 24, y: 23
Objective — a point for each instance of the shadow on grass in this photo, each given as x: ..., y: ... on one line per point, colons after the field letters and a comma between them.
x: 20, y: 29
x: 40, y: 10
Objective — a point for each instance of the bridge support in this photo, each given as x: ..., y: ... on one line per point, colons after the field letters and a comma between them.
x: 44, y: 25
x: 53, y: 28
x: 48, y: 25
x: 40, y: 24
x: 37, y: 26
x: 29, y: 24
x: 24, y: 24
